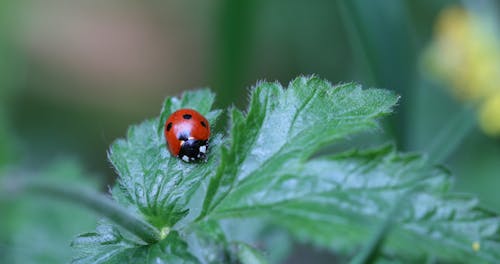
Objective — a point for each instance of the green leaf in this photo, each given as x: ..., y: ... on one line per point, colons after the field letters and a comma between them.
x: 211, y: 245
x: 155, y: 185
x: 337, y: 201
x: 108, y: 245
x: 269, y: 171
x: 284, y: 127
x: 209, y: 242
x: 248, y: 255
x: 153, y: 182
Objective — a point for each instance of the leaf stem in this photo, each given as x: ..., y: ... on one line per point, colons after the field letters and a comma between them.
x: 96, y: 202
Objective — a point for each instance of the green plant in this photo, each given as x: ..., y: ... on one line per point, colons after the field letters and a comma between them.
x: 266, y: 167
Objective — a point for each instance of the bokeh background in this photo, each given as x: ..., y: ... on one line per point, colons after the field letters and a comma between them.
x: 75, y: 74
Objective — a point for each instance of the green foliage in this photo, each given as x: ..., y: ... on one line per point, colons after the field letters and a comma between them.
x: 266, y: 168
x: 37, y: 230
x: 151, y: 181
x: 356, y: 190
x: 107, y: 245
x: 282, y: 129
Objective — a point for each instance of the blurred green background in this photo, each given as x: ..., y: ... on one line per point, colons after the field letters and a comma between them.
x: 75, y: 74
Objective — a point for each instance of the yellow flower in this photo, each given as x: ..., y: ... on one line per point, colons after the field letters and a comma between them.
x: 466, y: 54
x: 476, y: 246
x: 489, y: 115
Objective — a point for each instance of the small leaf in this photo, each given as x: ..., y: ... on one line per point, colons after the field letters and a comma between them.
x: 153, y: 182
x: 248, y: 255
x: 211, y: 246
x: 108, y: 245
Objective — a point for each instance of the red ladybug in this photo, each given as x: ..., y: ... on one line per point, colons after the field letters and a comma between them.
x: 187, y: 133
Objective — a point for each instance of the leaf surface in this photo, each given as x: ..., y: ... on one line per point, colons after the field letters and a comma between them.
x: 153, y: 182
x: 338, y: 201
x: 155, y: 185
x: 108, y: 245
x: 267, y: 168
x: 284, y: 127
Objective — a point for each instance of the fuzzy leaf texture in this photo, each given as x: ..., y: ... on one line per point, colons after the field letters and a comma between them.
x: 151, y: 181
x: 152, y: 184
x: 337, y: 201
x: 284, y: 127
x: 108, y: 245
x: 265, y: 167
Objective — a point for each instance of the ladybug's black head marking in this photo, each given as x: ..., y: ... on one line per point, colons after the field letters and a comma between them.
x: 203, y: 124
x: 169, y: 126
x: 187, y: 116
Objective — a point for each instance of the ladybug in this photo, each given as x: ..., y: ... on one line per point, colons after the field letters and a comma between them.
x: 187, y: 133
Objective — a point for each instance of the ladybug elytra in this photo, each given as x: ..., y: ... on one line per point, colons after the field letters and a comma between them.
x: 187, y: 133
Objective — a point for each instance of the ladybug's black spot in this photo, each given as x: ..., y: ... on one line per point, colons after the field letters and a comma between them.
x: 187, y: 116
x: 169, y: 126
x: 203, y: 124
